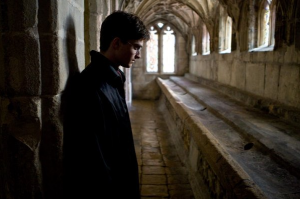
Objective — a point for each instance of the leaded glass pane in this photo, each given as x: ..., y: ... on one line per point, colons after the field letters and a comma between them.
x: 266, y: 24
x: 168, y: 51
x: 152, y: 52
x: 160, y: 25
x: 205, y: 41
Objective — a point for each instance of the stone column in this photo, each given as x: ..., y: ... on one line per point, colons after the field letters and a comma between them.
x: 92, y: 23
x: 61, y: 29
x: 128, y: 86
x: 20, y: 102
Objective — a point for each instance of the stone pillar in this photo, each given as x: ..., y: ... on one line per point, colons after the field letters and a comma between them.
x: 128, y: 86
x: 92, y: 23
x: 20, y: 102
x: 61, y: 28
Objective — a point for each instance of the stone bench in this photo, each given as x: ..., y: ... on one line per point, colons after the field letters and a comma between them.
x: 232, y: 150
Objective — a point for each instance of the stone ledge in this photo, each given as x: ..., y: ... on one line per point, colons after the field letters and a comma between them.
x: 217, y: 136
x: 292, y: 114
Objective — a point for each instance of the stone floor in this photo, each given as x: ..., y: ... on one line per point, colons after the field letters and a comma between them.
x: 162, y: 174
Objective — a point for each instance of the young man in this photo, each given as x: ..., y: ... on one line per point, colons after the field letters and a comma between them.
x: 99, y: 154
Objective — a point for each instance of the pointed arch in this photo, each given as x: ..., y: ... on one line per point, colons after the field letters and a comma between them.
x: 244, y: 27
x: 152, y: 50
x: 205, y: 40
x: 193, y: 46
x: 160, y: 50
x: 265, y: 26
x: 225, y: 31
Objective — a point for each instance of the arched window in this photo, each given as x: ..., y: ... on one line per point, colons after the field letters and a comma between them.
x: 152, y: 51
x: 161, y: 49
x: 225, y: 32
x: 194, y: 52
x: 205, y: 41
x: 266, y: 24
x: 228, y: 34
x: 168, y: 50
x: 266, y: 27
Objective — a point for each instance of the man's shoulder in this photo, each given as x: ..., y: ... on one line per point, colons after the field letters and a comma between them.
x: 92, y: 75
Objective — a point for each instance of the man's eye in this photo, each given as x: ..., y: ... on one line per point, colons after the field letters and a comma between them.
x: 137, y: 48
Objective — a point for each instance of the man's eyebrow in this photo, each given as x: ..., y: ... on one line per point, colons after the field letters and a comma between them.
x: 138, y: 45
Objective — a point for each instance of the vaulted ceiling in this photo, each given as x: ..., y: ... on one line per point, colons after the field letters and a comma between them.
x: 182, y: 14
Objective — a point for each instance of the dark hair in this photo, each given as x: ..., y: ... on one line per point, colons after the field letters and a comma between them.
x: 124, y: 25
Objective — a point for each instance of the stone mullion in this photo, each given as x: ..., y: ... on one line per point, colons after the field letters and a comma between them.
x: 160, y: 51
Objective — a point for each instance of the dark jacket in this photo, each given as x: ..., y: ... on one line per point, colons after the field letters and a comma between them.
x: 99, y: 154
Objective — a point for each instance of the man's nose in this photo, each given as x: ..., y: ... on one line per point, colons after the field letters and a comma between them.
x: 138, y: 54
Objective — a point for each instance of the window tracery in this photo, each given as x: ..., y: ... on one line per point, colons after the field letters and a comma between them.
x: 193, y: 45
x: 161, y: 49
x: 152, y: 51
x: 266, y: 24
x: 225, y: 31
x: 205, y: 40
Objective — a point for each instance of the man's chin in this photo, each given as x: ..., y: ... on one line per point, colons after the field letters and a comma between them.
x: 127, y: 66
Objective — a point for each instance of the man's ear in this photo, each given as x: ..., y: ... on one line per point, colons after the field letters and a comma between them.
x: 115, y: 43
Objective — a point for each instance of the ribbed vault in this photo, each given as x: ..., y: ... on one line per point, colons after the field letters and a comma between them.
x: 182, y: 14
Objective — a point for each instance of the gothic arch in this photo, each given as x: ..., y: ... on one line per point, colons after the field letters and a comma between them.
x: 244, y: 27
x: 161, y: 54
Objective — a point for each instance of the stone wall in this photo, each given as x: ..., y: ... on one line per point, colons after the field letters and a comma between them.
x: 269, y: 75
x: 39, y: 54
x: 20, y: 101
x: 43, y: 44
x: 272, y: 75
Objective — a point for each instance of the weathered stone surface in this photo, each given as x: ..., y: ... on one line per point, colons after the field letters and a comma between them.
x: 21, y: 117
x: 20, y: 132
x: 94, y: 33
x: 271, y: 81
x: 224, y: 72
x: 50, y: 65
x: 51, y: 146
x: 2, y: 68
x: 179, y: 194
x: 289, y: 82
x: 178, y: 179
x: 154, y: 190
x: 27, y: 12
x: 255, y: 75
x: 220, y: 147
x: 22, y: 63
x: 154, y: 179
x: 193, y: 156
x: 48, y: 15
x: 238, y: 78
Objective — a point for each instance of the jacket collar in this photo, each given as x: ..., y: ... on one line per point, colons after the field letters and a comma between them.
x: 107, y: 71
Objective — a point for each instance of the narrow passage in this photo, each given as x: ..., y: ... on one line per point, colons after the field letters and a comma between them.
x: 162, y: 174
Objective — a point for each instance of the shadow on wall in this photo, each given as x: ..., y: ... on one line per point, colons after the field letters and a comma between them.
x: 53, y: 175
x: 72, y: 66
x: 73, y: 69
